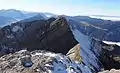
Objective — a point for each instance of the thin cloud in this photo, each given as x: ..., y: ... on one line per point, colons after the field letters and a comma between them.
x: 67, y: 7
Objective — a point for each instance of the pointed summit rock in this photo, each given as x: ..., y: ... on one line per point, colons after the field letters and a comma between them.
x: 74, y: 53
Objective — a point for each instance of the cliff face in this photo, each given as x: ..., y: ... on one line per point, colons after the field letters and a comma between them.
x: 89, y: 48
x: 93, y: 50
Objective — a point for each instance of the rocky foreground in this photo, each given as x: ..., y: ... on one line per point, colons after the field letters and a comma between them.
x: 40, y: 62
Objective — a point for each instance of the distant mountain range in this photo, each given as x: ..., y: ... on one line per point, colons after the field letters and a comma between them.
x: 12, y: 15
x: 6, y: 20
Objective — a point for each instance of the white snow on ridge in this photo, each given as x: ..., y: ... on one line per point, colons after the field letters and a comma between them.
x: 16, y: 28
x: 87, y: 55
x: 46, y: 54
x: 21, y: 51
x: 112, y: 43
x: 107, y: 18
x: 64, y: 65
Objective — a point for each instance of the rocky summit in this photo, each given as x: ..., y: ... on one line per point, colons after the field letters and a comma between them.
x: 40, y: 62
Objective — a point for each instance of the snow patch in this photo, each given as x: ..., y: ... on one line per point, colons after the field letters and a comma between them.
x: 50, y: 54
x: 36, y: 54
x: 10, y: 36
x: 64, y: 65
x: 107, y: 18
x: 17, y: 28
x: 46, y: 54
x: 112, y: 43
x: 21, y: 51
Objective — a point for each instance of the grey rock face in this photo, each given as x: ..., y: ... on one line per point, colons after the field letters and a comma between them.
x: 43, y: 62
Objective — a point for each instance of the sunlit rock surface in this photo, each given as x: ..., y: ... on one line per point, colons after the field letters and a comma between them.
x: 40, y: 62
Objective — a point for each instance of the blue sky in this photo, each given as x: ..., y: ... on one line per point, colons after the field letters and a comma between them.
x: 67, y: 7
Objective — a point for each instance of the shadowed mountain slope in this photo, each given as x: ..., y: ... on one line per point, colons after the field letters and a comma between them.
x: 53, y: 34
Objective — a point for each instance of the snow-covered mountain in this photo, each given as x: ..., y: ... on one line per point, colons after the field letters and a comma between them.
x: 11, y: 16
x: 12, y: 13
x: 60, y: 34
